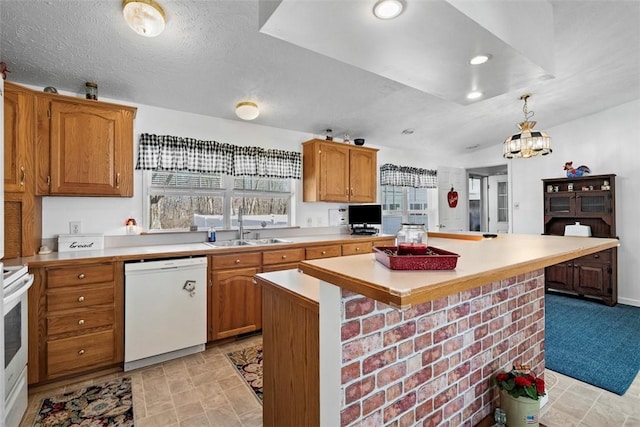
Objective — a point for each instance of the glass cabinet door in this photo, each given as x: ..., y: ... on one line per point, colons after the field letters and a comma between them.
x: 560, y: 204
x: 593, y: 203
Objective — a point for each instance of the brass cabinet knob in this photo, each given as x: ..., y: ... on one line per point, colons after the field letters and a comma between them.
x: 80, y: 352
x: 237, y: 261
x: 81, y: 322
x: 324, y: 252
x: 80, y: 298
x: 284, y: 257
x: 357, y: 249
x: 81, y: 276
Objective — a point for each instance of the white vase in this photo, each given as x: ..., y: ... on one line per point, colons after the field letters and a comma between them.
x: 521, y: 411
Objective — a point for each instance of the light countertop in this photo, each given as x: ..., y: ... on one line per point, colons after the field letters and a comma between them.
x: 181, y: 250
x: 481, y: 262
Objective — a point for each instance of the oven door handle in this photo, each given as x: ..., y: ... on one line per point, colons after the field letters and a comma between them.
x: 15, y: 291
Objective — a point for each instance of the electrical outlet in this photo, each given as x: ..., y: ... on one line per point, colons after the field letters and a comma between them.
x: 75, y: 227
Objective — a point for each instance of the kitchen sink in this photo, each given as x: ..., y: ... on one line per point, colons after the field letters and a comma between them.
x: 228, y: 243
x: 246, y: 242
x: 268, y: 241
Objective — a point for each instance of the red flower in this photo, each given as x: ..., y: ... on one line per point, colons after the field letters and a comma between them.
x: 502, y: 377
x: 540, y: 385
x: 523, y: 381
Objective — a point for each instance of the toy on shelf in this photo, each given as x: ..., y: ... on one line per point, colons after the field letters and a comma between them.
x: 576, y: 172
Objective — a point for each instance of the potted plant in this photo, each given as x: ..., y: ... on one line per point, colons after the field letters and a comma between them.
x: 520, y: 392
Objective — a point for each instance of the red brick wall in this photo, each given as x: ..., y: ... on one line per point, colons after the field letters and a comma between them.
x: 431, y: 364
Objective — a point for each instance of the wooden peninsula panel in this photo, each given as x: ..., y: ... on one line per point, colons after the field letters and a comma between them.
x: 291, y: 347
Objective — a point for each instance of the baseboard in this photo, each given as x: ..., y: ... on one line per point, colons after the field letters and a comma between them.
x: 629, y: 301
x: 152, y: 360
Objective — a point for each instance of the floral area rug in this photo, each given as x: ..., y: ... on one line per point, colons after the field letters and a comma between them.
x: 100, y: 405
x: 248, y: 362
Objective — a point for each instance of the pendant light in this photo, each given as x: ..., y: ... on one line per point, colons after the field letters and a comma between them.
x: 528, y: 142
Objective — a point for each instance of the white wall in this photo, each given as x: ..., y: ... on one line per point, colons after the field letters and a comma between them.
x: 607, y: 142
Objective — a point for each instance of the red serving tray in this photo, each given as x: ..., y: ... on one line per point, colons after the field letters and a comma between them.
x: 438, y: 259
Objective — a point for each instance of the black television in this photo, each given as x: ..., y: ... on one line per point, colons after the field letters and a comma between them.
x: 361, y: 216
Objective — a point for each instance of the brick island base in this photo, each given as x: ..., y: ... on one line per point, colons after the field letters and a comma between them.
x: 430, y: 364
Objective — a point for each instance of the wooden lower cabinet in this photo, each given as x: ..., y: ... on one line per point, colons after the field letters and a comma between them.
x: 234, y: 300
x: 591, y: 275
x: 76, y: 324
x: 236, y: 303
x: 291, y: 363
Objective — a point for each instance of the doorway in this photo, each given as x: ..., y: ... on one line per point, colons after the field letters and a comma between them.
x: 488, y: 199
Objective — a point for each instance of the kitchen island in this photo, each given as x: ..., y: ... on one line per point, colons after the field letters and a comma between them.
x: 367, y: 345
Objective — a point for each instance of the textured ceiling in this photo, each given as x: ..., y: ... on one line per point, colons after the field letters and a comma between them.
x: 213, y: 55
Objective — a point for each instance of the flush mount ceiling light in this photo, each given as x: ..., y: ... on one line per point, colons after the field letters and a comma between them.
x: 145, y: 17
x: 527, y: 143
x: 480, y: 59
x: 247, y: 110
x: 388, y: 9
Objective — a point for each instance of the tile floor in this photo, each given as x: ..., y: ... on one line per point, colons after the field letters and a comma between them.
x: 205, y: 390
x: 200, y: 390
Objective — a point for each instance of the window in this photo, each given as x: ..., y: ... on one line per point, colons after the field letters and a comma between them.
x: 178, y: 200
x: 405, y: 205
x: 503, y: 205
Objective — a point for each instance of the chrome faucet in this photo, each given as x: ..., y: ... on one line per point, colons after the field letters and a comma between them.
x: 241, y: 231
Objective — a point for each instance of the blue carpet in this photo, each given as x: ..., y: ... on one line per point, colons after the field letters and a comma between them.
x: 592, y: 342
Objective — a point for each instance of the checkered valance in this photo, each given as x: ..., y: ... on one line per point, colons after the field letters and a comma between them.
x: 406, y: 176
x: 173, y: 153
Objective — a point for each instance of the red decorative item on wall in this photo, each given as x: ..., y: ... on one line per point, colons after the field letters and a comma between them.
x: 452, y: 198
x: 4, y: 70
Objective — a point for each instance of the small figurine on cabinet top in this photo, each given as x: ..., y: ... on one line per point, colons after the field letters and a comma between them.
x: 576, y: 172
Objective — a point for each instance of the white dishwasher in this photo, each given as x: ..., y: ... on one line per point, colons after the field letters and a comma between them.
x: 165, y: 310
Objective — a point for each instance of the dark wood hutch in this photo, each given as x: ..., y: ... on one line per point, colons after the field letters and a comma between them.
x: 588, y: 200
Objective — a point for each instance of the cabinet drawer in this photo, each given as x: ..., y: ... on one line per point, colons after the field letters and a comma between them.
x: 278, y: 267
x: 323, y: 252
x: 284, y: 256
x: 82, y: 296
x: 604, y: 256
x: 356, y: 248
x: 67, y: 355
x: 238, y: 260
x: 386, y: 242
x: 79, y: 321
x: 80, y: 275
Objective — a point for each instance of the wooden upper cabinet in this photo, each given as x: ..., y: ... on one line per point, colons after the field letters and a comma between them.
x: 85, y: 148
x: 335, y: 172
x: 362, y: 175
x: 18, y: 138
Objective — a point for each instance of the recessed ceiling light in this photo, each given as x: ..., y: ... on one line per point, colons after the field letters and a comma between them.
x: 474, y: 95
x: 408, y: 131
x: 480, y: 59
x: 388, y: 9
